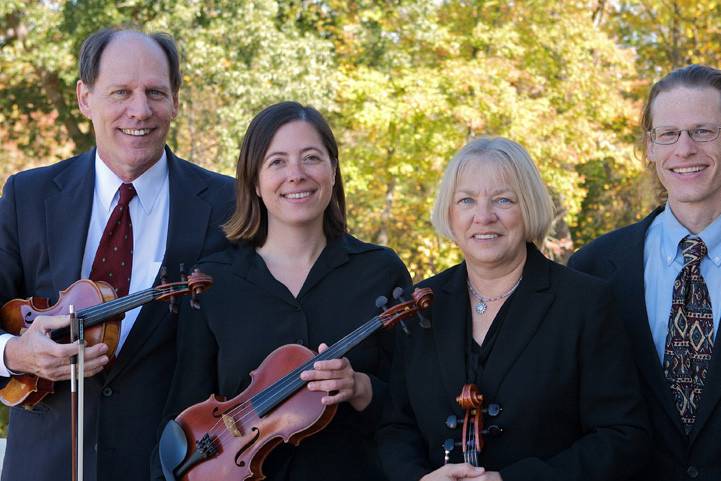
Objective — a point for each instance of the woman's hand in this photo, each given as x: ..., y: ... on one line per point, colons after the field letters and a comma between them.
x: 452, y: 472
x: 336, y: 376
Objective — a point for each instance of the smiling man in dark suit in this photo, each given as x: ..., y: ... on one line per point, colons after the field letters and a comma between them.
x: 666, y: 273
x: 56, y: 226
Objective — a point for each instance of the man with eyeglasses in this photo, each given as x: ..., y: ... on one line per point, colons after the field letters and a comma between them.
x: 666, y: 274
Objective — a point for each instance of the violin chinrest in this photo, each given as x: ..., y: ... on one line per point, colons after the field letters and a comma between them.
x: 172, y: 449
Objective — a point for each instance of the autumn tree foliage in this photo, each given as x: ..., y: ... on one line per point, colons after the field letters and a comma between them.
x: 405, y: 83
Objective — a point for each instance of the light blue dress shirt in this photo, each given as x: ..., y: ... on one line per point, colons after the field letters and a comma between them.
x: 662, y: 260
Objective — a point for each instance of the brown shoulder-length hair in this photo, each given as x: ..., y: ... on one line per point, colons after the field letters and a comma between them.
x: 249, y: 222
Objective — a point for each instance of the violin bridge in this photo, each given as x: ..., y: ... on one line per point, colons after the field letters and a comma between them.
x: 231, y: 425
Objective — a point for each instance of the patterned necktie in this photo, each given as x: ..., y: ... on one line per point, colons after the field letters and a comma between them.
x: 113, y: 261
x: 689, y: 342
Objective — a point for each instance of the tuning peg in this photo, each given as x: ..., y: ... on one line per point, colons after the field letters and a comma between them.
x: 423, y: 320
x: 183, y: 276
x: 493, y: 409
x: 173, y: 305
x: 493, y: 431
x: 398, y: 294
x: 406, y: 331
x: 197, y: 290
x: 452, y: 421
x: 448, y: 446
x: 382, y: 302
x: 163, y: 275
x: 194, y: 303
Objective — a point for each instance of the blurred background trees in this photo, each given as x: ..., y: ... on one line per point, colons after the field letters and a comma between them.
x: 405, y: 83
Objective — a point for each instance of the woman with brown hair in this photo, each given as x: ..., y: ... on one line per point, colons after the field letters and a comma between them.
x: 293, y: 276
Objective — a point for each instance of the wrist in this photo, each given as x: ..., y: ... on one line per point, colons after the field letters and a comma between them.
x: 12, y: 356
x: 363, y: 392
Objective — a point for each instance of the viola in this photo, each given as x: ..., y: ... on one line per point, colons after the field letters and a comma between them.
x: 97, y: 308
x: 229, y: 440
x: 472, y: 440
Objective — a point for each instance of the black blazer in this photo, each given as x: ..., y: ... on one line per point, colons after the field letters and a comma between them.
x: 248, y: 314
x: 618, y: 258
x: 571, y: 408
x: 44, y: 218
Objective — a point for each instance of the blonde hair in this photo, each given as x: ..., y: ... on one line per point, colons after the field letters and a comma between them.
x: 513, y: 164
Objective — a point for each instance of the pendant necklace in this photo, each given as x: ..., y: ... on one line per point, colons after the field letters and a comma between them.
x: 481, y: 305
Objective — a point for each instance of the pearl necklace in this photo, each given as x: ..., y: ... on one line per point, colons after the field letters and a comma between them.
x: 481, y: 305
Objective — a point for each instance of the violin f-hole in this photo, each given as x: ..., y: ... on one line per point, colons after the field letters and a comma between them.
x: 239, y: 462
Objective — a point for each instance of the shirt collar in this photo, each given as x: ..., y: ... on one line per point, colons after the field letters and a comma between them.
x: 147, y: 186
x: 673, y: 232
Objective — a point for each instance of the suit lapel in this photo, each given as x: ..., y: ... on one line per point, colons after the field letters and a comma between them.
x: 628, y: 284
x: 530, y: 304
x: 450, y: 308
x: 65, y: 239
x: 187, y: 225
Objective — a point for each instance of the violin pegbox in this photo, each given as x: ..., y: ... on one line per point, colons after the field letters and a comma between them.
x: 399, y: 294
x: 475, y: 408
x: 420, y: 299
x: 172, y: 302
x: 192, y: 284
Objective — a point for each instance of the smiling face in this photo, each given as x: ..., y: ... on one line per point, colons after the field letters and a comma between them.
x: 486, y: 218
x: 689, y: 170
x: 296, y: 178
x: 130, y: 105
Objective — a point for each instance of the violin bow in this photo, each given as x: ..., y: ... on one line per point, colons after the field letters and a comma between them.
x: 77, y: 395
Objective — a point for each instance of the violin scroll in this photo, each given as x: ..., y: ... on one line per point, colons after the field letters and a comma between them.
x: 472, y: 440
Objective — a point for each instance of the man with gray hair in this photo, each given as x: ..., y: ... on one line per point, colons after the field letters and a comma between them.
x: 666, y: 274
x: 114, y: 213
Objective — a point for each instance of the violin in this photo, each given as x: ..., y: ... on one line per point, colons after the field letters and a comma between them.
x: 472, y: 441
x: 97, y: 308
x: 229, y: 440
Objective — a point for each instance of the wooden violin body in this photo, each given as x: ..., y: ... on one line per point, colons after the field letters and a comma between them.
x: 247, y: 437
x: 100, y: 311
x: 18, y: 314
x: 223, y: 440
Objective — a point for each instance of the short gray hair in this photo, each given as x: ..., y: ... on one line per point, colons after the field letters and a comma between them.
x: 516, y: 167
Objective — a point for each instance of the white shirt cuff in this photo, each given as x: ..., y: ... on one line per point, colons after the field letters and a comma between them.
x: 4, y: 371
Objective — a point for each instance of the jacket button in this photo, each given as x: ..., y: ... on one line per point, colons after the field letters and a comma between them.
x: 692, y: 472
x: 300, y: 341
x: 107, y: 391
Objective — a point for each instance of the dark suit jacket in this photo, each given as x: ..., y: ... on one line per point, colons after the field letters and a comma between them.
x: 572, y: 409
x: 618, y: 258
x: 250, y: 314
x: 44, y: 218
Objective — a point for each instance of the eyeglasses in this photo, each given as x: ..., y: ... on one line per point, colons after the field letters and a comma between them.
x: 668, y: 136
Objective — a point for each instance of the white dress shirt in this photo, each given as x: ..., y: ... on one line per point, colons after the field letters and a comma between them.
x: 149, y: 212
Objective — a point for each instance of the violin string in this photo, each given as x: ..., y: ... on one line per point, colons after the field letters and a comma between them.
x: 116, y: 304
x: 472, y: 451
x: 101, y: 311
x: 291, y: 382
x: 124, y: 304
